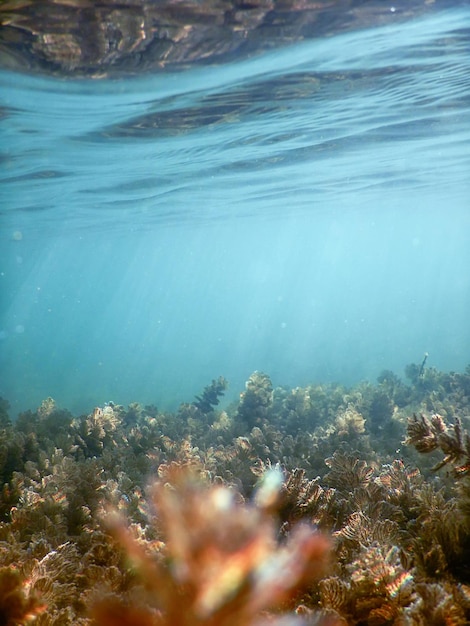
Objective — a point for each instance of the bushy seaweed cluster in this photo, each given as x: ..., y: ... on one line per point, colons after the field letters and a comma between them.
x: 306, y: 502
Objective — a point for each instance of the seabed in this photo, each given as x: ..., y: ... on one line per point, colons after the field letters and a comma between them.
x: 321, y: 505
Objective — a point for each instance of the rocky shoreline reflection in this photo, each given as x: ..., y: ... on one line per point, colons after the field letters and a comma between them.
x: 83, y: 38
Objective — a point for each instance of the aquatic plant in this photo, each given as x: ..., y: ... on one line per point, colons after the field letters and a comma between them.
x: 12, y: 447
x: 4, y: 416
x: 210, y: 395
x: 58, y: 498
x: 430, y: 434
x: 220, y: 564
x: 347, y: 472
x: 376, y: 591
x: 416, y: 372
x: 447, y: 521
x: 306, y: 500
x: 399, y: 535
x: 256, y: 400
x: 45, y: 429
x: 305, y: 408
x: 98, y: 430
x: 349, y: 423
x: 380, y: 409
x: 17, y: 604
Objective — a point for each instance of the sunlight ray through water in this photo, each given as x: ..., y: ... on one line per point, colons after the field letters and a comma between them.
x: 304, y: 211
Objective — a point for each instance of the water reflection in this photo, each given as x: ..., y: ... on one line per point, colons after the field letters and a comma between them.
x: 80, y: 37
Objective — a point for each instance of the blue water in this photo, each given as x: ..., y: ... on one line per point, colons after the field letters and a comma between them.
x: 305, y: 212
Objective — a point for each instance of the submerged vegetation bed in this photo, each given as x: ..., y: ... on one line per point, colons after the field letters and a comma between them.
x: 320, y: 505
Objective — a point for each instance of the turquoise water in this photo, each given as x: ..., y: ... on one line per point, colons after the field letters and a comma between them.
x: 305, y: 212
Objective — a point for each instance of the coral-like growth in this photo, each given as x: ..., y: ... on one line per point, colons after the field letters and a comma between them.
x: 221, y: 564
x: 4, y: 417
x: 377, y: 591
x: 447, y: 521
x: 303, y: 499
x: 210, y: 395
x: 347, y: 472
x: 429, y: 434
x: 256, y: 400
x: 17, y: 604
x: 225, y: 536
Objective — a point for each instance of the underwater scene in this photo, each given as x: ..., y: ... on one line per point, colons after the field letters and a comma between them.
x: 235, y: 313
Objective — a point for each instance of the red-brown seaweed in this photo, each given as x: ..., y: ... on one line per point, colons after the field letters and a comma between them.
x: 320, y: 505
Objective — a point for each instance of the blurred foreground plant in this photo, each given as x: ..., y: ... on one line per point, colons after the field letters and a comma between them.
x: 17, y: 605
x: 221, y: 564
